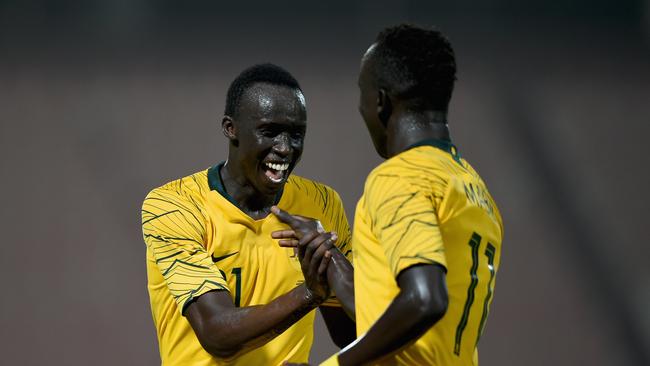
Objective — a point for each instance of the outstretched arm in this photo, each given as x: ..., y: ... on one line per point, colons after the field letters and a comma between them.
x: 422, y: 301
x: 340, y: 277
x: 340, y: 321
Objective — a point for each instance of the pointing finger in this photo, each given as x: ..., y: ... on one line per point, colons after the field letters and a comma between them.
x: 283, y: 234
x: 284, y: 216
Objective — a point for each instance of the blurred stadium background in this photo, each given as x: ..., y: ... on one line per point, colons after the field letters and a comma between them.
x: 101, y: 101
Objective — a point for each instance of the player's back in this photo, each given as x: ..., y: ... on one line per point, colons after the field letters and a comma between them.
x: 427, y: 205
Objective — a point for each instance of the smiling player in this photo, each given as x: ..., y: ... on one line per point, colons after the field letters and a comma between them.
x: 221, y: 290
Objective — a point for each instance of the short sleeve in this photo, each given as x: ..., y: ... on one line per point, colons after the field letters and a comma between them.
x: 173, y: 227
x: 338, y: 222
x: 404, y: 220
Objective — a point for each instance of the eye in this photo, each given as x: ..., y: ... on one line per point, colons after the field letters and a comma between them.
x: 269, y: 132
x: 298, y: 133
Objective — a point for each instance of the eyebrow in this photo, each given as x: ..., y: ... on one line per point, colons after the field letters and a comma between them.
x: 281, y: 125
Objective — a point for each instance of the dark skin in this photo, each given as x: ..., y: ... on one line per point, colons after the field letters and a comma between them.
x: 394, y: 125
x: 303, y: 234
x: 269, y: 128
x: 310, y: 240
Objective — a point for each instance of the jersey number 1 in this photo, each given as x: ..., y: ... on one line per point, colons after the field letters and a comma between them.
x: 475, y: 243
x: 237, y: 272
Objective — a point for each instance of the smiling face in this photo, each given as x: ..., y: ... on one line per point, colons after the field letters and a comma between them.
x: 269, y: 132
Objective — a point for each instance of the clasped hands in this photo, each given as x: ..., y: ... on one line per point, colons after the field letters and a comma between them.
x: 313, y: 246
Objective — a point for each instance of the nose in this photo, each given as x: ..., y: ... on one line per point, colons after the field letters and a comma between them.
x: 282, y: 144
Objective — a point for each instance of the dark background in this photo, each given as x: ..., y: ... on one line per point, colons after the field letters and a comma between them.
x: 100, y: 101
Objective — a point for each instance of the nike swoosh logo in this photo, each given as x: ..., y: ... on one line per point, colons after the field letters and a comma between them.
x: 217, y: 259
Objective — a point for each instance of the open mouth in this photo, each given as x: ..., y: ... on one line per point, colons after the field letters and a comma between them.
x: 276, y: 172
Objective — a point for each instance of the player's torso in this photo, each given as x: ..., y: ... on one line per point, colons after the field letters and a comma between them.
x: 256, y: 267
x: 257, y: 270
x: 472, y: 232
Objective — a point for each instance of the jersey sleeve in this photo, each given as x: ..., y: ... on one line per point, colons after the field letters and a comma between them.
x: 337, y: 221
x: 403, y: 216
x: 173, y: 226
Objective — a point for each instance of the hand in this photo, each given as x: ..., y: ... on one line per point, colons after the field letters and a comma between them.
x: 300, y: 226
x: 313, y: 245
x: 303, y: 230
x: 314, y: 261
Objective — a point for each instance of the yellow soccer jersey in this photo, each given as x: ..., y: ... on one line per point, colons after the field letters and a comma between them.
x: 427, y: 205
x: 198, y: 240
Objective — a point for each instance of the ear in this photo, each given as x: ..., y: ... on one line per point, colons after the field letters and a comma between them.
x: 384, y: 107
x: 229, y: 130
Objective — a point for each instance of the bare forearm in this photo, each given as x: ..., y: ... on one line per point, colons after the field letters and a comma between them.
x: 340, y: 277
x: 422, y: 301
x: 396, y: 328
x: 256, y: 325
x: 234, y: 331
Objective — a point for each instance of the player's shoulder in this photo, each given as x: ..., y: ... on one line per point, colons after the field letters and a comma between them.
x: 309, y: 188
x: 310, y: 195
x: 414, y: 159
x: 192, y: 187
x: 412, y: 165
x: 415, y: 168
x: 315, y: 199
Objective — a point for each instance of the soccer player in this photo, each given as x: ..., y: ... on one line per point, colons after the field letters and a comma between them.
x: 427, y: 234
x: 221, y: 290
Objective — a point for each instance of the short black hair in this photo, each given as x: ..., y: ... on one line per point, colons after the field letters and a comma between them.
x: 261, y: 73
x: 415, y: 63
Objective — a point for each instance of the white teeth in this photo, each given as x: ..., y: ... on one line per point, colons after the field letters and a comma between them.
x: 278, y: 167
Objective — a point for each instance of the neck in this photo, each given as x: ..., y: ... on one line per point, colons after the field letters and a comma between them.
x: 408, y: 128
x: 252, y: 202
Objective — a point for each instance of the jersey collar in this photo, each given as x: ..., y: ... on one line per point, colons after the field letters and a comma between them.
x: 444, y: 145
x: 216, y: 184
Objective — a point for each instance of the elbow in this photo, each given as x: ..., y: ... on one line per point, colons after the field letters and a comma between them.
x: 214, y: 321
x: 220, y: 348
x: 430, y: 308
x: 437, y: 309
x: 224, y: 354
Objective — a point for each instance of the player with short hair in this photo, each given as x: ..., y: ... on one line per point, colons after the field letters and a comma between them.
x: 427, y: 234
x: 221, y: 290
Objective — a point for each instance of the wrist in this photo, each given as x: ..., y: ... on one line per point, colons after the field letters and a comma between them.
x: 310, y: 298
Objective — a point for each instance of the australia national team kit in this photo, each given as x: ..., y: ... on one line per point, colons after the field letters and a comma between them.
x: 427, y: 205
x: 198, y: 240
